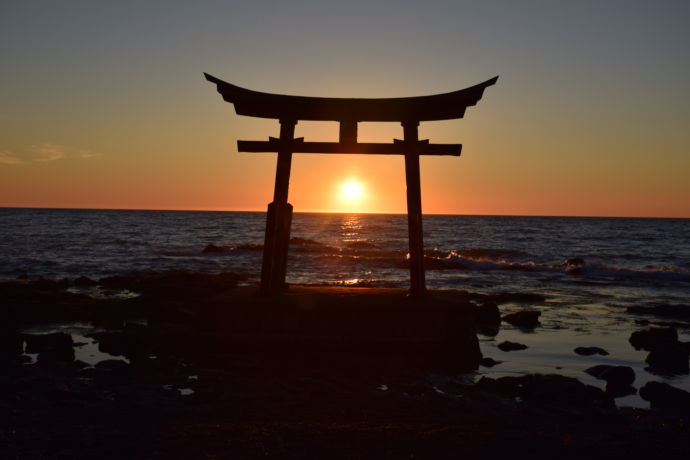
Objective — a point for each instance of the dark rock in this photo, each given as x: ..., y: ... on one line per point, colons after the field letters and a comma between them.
x: 50, y: 347
x: 487, y: 313
x: 118, y: 282
x: 575, y: 261
x: 213, y: 249
x: 489, y: 362
x: 11, y: 344
x: 510, y: 346
x: 618, y: 378
x: 36, y: 343
x: 652, y: 337
x: 526, y: 318
x: 589, y: 351
x: 112, y: 365
x: 664, y: 396
x: 131, y: 342
x: 573, y: 266
x: 554, y: 390
x: 49, y: 285
x: 85, y: 281
x: 23, y: 276
x: 669, y: 357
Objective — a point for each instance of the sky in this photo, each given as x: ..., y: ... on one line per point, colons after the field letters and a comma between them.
x: 104, y: 104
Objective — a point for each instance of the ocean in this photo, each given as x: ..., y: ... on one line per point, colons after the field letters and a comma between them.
x: 590, y: 270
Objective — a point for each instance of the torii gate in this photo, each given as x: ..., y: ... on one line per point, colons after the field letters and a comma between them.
x: 409, y: 111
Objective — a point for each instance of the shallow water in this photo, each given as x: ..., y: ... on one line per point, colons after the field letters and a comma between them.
x: 627, y: 262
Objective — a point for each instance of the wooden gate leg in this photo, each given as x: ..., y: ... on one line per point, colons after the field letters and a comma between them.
x: 414, y: 210
x: 278, y: 219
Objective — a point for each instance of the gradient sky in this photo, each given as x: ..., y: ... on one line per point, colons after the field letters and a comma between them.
x: 104, y: 104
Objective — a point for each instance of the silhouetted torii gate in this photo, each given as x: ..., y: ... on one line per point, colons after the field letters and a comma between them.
x: 409, y: 111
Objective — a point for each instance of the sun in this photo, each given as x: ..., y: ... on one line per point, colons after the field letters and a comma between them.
x: 352, y: 191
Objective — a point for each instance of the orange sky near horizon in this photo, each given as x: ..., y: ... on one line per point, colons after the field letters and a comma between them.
x: 107, y: 107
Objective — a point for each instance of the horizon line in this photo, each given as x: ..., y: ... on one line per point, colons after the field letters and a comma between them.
x: 341, y: 212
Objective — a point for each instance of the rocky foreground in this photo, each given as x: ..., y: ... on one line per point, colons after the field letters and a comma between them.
x: 215, y: 371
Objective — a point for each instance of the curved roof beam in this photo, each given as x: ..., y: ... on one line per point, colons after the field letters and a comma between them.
x: 283, y: 107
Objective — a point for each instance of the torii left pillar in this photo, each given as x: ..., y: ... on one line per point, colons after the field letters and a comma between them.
x: 278, y: 218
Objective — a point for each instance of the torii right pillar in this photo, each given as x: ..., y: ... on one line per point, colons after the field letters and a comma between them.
x: 414, y: 208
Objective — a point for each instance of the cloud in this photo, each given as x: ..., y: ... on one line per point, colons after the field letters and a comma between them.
x: 48, y: 152
x: 42, y: 153
x: 9, y: 158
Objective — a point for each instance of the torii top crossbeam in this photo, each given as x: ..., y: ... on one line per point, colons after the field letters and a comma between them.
x: 422, y: 108
x: 409, y: 111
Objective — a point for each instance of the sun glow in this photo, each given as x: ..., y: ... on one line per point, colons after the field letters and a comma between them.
x: 352, y: 195
x: 352, y: 191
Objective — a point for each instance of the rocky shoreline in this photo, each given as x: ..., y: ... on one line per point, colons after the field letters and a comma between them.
x: 201, y: 368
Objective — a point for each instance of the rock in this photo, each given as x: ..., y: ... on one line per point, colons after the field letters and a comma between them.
x: 489, y: 362
x: 85, y: 281
x: 487, y: 313
x: 669, y: 357
x: 664, y: 396
x: 526, y: 318
x: 213, y: 249
x: 11, y: 344
x: 619, y: 379
x: 112, y: 365
x: 36, y: 343
x: 651, y: 337
x: 574, y: 265
x: 554, y: 390
x: 50, y: 347
x: 589, y: 351
x: 511, y: 346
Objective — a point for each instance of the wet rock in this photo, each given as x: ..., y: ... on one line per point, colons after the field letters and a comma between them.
x: 133, y: 342
x: 11, y: 344
x: 487, y: 313
x: 528, y: 319
x: 85, y: 281
x: 112, y: 365
x: 489, y: 362
x: 37, y: 343
x: 118, y: 282
x: 554, y: 390
x: 55, y: 347
x: 649, y: 338
x: 669, y: 357
x: 511, y: 346
x: 664, y: 396
x: 618, y: 379
x: 213, y: 249
x: 573, y: 265
x: 589, y: 351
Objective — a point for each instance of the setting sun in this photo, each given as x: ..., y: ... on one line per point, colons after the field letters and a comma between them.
x: 352, y: 191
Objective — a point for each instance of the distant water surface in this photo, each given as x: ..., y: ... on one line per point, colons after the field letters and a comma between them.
x: 590, y: 269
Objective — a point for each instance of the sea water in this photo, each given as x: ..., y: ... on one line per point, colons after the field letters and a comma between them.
x: 589, y: 269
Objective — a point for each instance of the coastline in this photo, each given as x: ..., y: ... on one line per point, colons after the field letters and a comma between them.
x: 171, y: 389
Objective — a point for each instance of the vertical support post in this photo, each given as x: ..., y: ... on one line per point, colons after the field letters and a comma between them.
x: 414, y: 208
x: 278, y: 218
